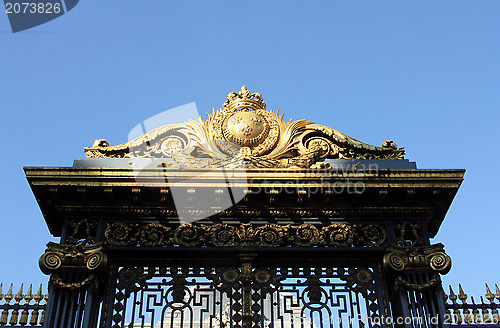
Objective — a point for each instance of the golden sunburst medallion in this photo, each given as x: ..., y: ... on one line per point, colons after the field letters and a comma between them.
x: 245, y: 121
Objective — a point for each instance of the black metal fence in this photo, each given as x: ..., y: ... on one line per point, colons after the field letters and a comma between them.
x: 22, y: 309
x: 462, y: 312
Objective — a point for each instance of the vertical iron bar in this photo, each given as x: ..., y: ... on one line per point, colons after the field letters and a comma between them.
x: 413, y: 304
x: 67, y: 300
x: 79, y: 311
x: 56, y: 322
x: 88, y: 315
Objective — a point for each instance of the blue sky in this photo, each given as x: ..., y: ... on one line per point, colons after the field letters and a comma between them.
x: 423, y: 73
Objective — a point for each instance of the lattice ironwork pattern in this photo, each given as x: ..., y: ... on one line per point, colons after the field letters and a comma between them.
x: 247, y: 296
x: 172, y: 297
x: 320, y: 297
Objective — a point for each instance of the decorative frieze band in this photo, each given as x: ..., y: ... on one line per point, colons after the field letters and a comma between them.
x: 245, y: 235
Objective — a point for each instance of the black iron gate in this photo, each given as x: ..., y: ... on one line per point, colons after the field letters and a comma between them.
x: 278, y: 293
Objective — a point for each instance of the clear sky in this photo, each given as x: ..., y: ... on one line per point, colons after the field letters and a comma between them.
x: 423, y: 73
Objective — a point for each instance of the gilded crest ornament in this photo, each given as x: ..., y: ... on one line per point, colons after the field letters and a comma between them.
x: 245, y: 134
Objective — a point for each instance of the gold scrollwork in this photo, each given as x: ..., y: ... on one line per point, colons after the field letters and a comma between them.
x: 246, y: 235
x: 408, y: 234
x: 118, y: 234
x: 189, y: 235
x: 373, y: 235
x: 360, y: 279
x: 82, y: 231
x: 223, y: 235
x: 266, y: 279
x: 56, y: 280
x: 419, y: 287
x: 246, y: 131
x: 270, y: 235
x: 132, y: 279
x: 51, y: 261
x: 305, y: 235
x: 154, y: 234
x: 339, y: 234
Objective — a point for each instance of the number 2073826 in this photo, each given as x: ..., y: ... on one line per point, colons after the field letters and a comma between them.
x: 32, y: 8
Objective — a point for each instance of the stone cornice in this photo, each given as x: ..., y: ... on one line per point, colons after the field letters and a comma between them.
x: 157, y: 177
x: 64, y: 192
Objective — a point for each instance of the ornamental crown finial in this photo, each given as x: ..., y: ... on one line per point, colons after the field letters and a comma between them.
x: 244, y: 99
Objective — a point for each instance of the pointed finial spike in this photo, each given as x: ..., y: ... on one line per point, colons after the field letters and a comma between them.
x: 19, y: 296
x: 38, y: 296
x: 9, y: 296
x: 445, y: 297
x: 497, y: 292
x: 39, y: 290
x: 20, y: 292
x: 453, y: 297
x: 489, y: 295
x: 461, y: 295
x: 30, y: 291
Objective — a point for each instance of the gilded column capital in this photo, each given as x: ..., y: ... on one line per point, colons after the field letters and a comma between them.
x: 424, y: 258
x: 88, y: 259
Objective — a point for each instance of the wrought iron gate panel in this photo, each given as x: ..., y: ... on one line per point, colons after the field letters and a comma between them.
x: 323, y: 296
x: 187, y: 296
x: 172, y: 296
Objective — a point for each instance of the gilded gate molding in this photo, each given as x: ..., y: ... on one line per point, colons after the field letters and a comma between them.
x: 244, y: 134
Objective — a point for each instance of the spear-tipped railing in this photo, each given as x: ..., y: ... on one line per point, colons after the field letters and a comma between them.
x: 472, y: 313
x: 27, y: 310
